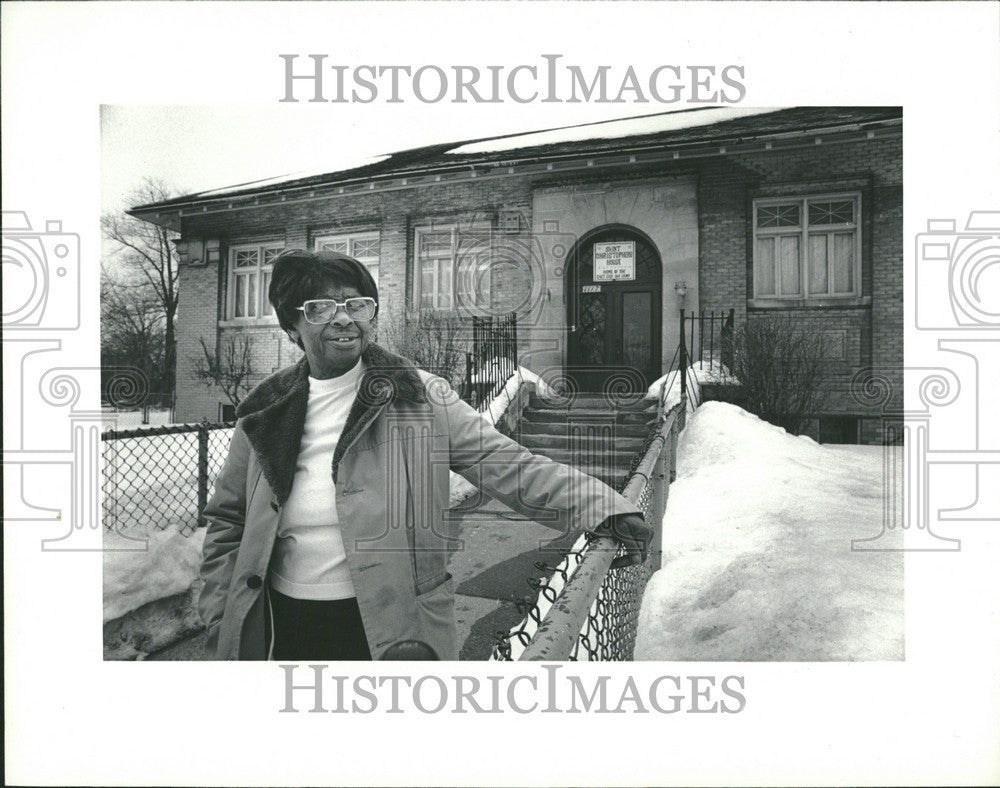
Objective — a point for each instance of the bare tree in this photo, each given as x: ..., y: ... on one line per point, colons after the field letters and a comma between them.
x: 132, y: 329
x: 147, y: 251
x: 780, y: 365
x: 230, y: 367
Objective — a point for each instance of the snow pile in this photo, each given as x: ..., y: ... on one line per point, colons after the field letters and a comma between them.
x: 499, y: 404
x: 134, y: 575
x: 757, y: 559
x: 701, y: 372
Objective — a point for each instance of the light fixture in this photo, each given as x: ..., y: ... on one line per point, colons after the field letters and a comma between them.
x: 681, y: 289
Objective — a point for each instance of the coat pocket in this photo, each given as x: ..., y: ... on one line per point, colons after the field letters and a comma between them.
x: 436, y: 611
x: 431, y: 584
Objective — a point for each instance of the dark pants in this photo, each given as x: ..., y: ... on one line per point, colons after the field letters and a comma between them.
x: 328, y: 631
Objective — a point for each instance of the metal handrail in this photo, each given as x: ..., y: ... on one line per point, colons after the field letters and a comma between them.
x: 558, y: 631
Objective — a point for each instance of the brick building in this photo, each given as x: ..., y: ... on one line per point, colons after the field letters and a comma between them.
x: 596, y: 236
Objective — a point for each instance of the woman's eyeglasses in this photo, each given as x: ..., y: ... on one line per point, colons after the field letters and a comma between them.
x: 323, y: 310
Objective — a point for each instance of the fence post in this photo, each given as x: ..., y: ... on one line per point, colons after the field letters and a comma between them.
x: 675, y: 429
x: 468, y: 377
x: 711, y: 340
x: 513, y: 349
x: 658, y: 506
x: 682, y: 368
x: 202, y: 467
x: 726, y: 341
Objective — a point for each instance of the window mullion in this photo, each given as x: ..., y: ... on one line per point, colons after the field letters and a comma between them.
x: 830, y: 262
x: 260, y: 281
x: 434, y: 282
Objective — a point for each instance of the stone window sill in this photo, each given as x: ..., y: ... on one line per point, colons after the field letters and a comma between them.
x: 764, y: 304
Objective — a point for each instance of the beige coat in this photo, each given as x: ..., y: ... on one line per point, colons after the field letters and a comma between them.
x: 405, y: 431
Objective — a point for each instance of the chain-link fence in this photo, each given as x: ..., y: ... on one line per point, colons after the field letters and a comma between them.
x: 583, y: 610
x: 160, y: 477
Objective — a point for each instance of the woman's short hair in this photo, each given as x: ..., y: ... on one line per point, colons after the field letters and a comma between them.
x: 299, y: 275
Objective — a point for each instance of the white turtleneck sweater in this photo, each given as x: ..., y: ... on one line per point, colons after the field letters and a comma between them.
x: 309, y: 561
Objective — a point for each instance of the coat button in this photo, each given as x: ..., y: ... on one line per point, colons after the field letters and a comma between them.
x: 254, y: 582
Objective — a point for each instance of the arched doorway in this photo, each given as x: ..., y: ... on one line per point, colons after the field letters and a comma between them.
x: 613, y: 311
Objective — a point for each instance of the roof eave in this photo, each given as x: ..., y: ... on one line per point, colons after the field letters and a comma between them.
x: 168, y: 214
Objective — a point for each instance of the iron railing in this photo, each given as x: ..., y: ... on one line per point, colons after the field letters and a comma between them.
x: 160, y: 477
x: 583, y: 609
x: 701, y: 331
x: 492, y: 360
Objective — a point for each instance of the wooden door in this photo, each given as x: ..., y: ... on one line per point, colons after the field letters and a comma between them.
x: 614, y: 323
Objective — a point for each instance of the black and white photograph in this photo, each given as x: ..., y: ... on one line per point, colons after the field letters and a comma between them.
x: 393, y: 390
x: 551, y: 311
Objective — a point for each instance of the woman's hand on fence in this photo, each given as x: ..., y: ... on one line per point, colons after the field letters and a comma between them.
x: 633, y: 533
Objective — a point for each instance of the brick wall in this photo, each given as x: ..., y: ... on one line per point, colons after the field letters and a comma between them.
x: 395, y: 215
x: 858, y: 338
x: 726, y: 186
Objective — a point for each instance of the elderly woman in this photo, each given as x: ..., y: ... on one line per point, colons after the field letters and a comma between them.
x: 328, y: 536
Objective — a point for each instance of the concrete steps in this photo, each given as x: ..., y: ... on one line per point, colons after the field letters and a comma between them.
x: 595, y: 402
x: 587, y: 417
x: 557, y: 429
x: 602, y: 440
x: 589, y: 431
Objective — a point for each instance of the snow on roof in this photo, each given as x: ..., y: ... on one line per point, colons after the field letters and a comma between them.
x: 613, y: 129
x: 320, y: 170
x: 680, y: 127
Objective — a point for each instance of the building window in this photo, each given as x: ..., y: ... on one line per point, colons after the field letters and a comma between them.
x: 227, y: 412
x: 452, y: 267
x: 249, y: 277
x: 363, y: 247
x: 807, y: 247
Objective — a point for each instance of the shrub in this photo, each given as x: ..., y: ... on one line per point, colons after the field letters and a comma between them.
x: 780, y: 365
x: 434, y: 341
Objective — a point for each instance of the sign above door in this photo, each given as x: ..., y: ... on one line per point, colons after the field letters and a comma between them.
x: 614, y: 262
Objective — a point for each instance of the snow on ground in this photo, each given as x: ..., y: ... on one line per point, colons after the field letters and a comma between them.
x: 132, y: 419
x: 612, y: 129
x: 150, y: 492
x: 757, y: 559
x: 134, y: 575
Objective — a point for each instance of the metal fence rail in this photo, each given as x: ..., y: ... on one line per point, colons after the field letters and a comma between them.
x: 593, y: 611
x: 160, y: 477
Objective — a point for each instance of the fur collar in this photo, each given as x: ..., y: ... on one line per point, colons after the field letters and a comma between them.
x: 274, y: 413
